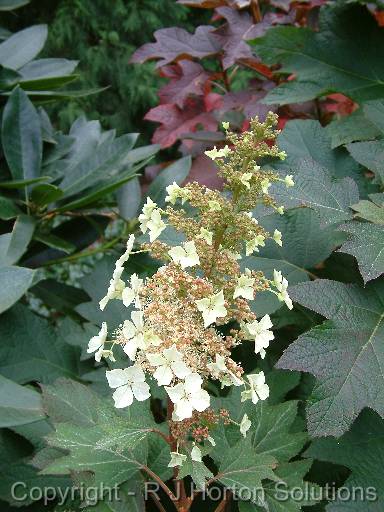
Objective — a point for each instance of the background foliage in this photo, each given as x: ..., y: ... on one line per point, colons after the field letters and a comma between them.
x: 69, y: 196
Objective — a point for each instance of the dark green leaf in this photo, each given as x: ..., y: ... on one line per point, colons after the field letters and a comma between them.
x: 38, y: 86
x: 370, y: 154
x: 15, y: 281
x: 79, y: 231
x: 305, y: 244
x: 14, y: 184
x: 198, y: 471
x: 62, y: 146
x: 273, y: 434
x: 55, y: 242
x: 106, y: 162
x: 13, y: 473
x: 8, y: 209
x: 316, y: 189
x: 285, y: 495
x: 45, y: 68
x: 21, y: 136
x: 99, y: 438
x: 98, y: 192
x: 142, y: 153
x: 308, y: 140
x: 46, y: 127
x: 366, y: 244
x: 34, y: 351
x: 369, y: 211
x: 48, y: 96
x: 62, y: 297
x: 351, y: 128
x: 345, y: 354
x: 45, y: 194
x: 18, y: 404
x: 13, y: 245
x: 9, y: 5
x: 362, y: 451
x: 345, y: 55
x: 8, y: 78
x: 242, y: 469
x: 129, y: 198
x: 23, y: 46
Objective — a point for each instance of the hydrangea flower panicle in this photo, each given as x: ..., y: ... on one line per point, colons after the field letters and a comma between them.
x: 173, y: 333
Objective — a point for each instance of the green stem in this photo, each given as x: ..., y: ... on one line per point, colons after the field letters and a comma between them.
x: 79, y: 255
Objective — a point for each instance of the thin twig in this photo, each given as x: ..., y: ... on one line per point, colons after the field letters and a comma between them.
x: 162, y: 484
x: 222, y: 505
x: 255, y: 11
x: 161, y: 434
x: 157, y: 502
x: 84, y: 254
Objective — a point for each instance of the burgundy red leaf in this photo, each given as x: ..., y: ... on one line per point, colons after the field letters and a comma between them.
x: 186, y: 78
x: 175, y: 121
x: 176, y: 43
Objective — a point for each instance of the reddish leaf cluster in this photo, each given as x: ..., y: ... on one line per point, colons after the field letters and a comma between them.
x: 214, y: 74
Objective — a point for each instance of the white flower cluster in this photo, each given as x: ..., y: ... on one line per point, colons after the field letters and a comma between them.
x: 166, y: 363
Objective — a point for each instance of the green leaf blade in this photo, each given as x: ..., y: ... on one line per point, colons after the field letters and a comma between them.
x: 21, y: 137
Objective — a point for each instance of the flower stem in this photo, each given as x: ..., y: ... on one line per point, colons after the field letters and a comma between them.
x: 162, y: 484
x: 183, y: 501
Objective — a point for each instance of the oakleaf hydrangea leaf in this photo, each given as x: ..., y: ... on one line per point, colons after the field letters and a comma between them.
x: 272, y: 441
x: 33, y: 351
x: 346, y: 353
x: 345, y: 55
x: 316, y: 189
x: 366, y: 243
x: 362, y: 451
x: 109, y: 443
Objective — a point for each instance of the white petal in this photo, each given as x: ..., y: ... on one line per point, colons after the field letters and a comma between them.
x: 177, y: 459
x: 245, y: 425
x: 263, y: 391
x: 129, y: 329
x: 130, y: 348
x: 193, y: 383
x: 135, y: 374
x: 177, y: 253
x: 175, y: 393
x: 163, y: 375
x: 99, y: 354
x: 141, y: 391
x: 116, y: 378
x: 128, y: 296
x: 265, y: 322
x: 180, y: 369
x: 196, y: 454
x: 200, y: 400
x: 218, y: 299
x: 254, y: 396
x: 123, y: 397
x: 137, y: 319
x: 94, y: 344
x: 172, y: 354
x: 209, y: 317
x: 156, y: 359
x: 183, y: 409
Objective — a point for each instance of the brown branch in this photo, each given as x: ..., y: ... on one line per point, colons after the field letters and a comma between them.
x: 223, y: 504
x: 161, y: 434
x: 183, y: 503
x: 157, y: 502
x: 255, y: 11
x: 162, y: 484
